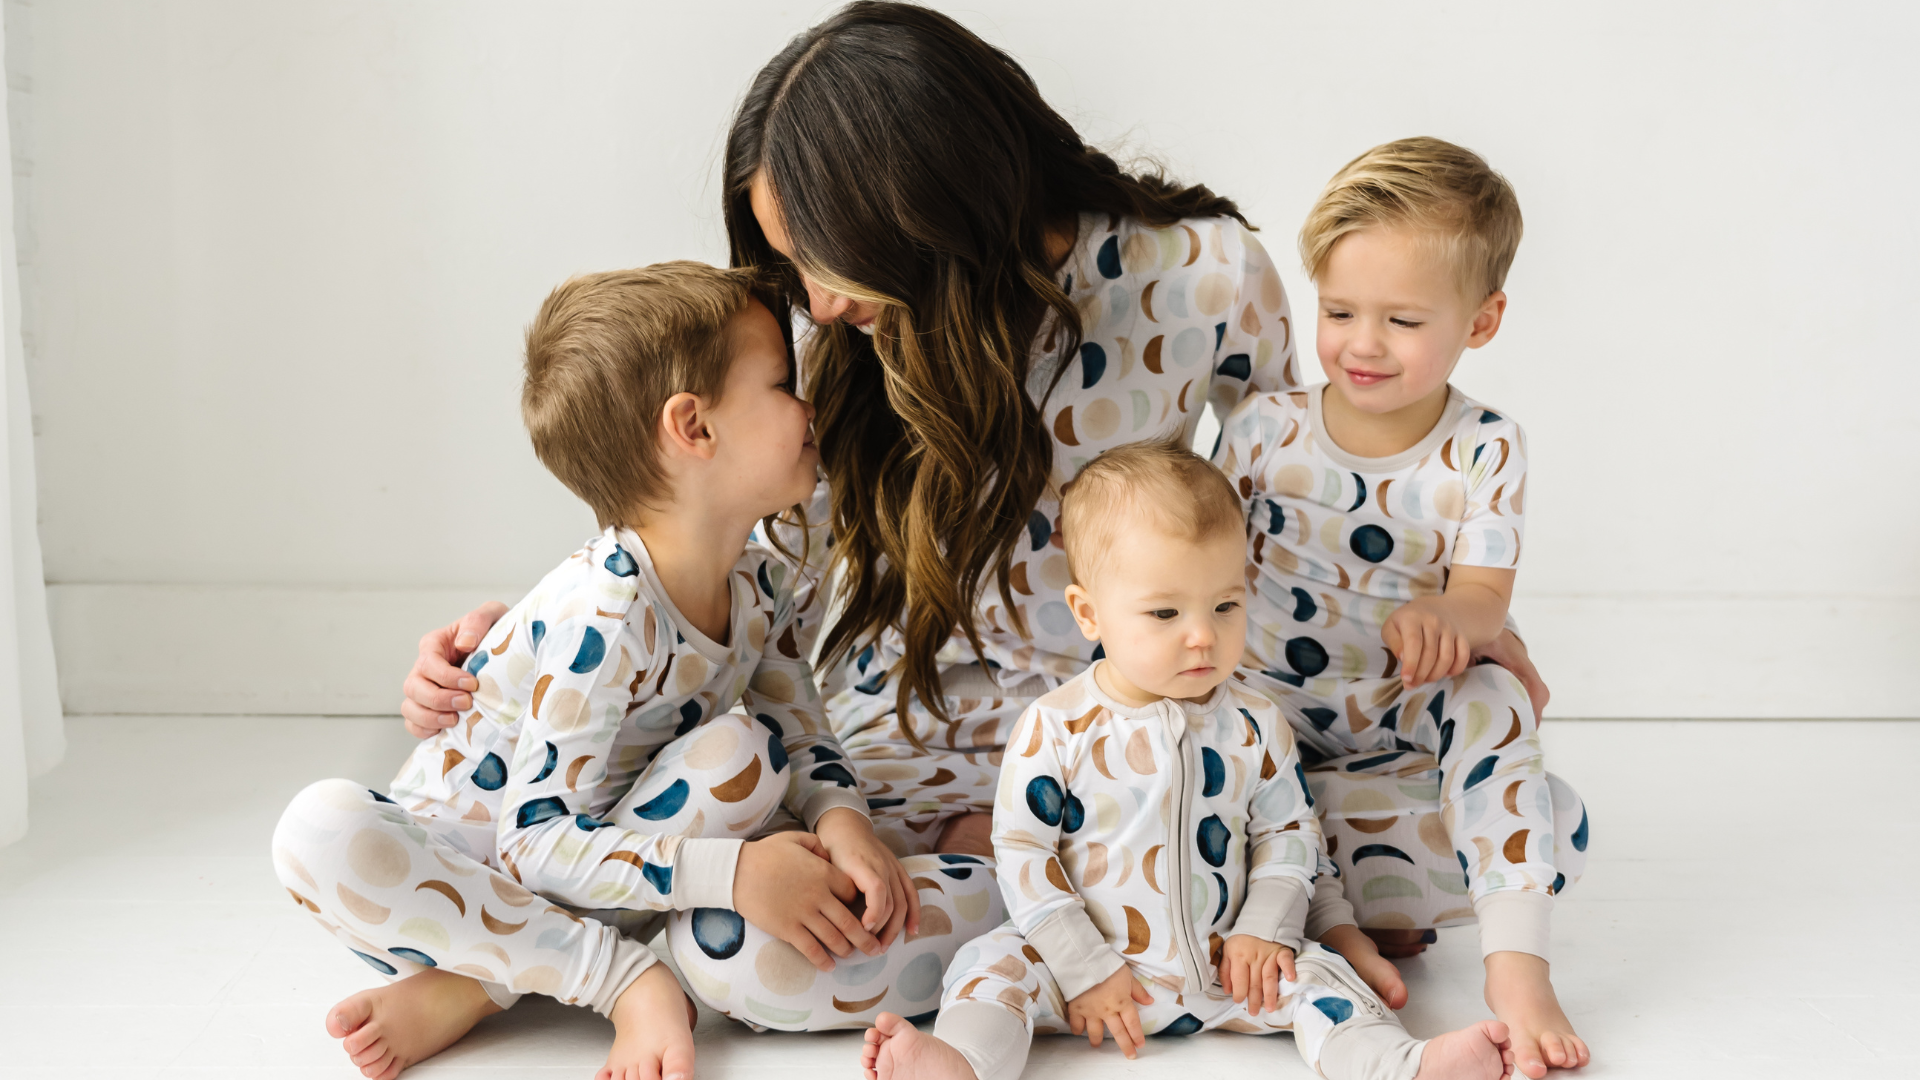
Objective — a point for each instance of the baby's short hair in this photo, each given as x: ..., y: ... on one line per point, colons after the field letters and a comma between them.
x: 1161, y: 483
x: 604, y: 355
x: 1429, y: 186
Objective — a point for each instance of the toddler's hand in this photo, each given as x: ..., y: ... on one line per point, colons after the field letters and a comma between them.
x: 784, y: 885
x: 1428, y: 641
x: 892, y: 902
x: 1253, y: 967
x: 1111, y: 1004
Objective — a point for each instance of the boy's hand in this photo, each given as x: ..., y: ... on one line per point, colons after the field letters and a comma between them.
x: 1253, y: 967
x: 1111, y: 1005
x: 785, y: 886
x: 892, y: 902
x: 1428, y: 640
x: 1375, y: 970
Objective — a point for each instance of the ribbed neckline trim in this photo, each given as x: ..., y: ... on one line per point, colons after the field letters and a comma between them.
x: 701, y: 643
x: 1317, y: 424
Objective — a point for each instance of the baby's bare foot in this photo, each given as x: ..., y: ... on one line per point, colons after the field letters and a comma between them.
x: 896, y: 1048
x: 1480, y: 1052
x: 1520, y: 993
x: 649, y: 1041
x: 966, y: 834
x: 389, y: 1028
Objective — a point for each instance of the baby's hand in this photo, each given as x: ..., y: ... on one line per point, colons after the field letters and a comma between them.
x: 1251, y: 966
x: 1428, y: 640
x: 1111, y: 1004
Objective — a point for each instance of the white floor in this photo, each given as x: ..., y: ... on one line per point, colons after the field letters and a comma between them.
x: 1750, y: 911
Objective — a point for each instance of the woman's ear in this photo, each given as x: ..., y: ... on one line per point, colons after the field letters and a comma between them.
x: 1081, y: 605
x: 684, y: 429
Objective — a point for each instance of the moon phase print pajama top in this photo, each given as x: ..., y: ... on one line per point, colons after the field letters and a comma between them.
x: 1336, y: 544
x: 598, y: 770
x: 1142, y: 838
x: 1173, y: 317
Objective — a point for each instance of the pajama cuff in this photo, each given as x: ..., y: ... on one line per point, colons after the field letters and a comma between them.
x: 703, y: 873
x: 992, y: 1039
x: 1514, y: 920
x: 1330, y: 906
x: 1275, y: 910
x: 630, y: 958
x: 1075, y: 951
x: 828, y: 798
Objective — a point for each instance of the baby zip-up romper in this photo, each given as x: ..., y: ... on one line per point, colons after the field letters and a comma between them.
x: 1144, y: 837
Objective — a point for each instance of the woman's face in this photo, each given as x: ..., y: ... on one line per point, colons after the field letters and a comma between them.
x: 823, y: 304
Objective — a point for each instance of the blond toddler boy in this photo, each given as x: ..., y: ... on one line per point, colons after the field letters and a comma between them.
x: 1386, y: 513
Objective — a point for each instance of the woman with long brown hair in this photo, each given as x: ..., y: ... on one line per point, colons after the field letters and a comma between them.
x: 990, y: 304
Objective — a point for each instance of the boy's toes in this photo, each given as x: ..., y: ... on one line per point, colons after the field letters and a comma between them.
x: 347, y: 1017
x: 677, y: 1062
x: 891, y: 1024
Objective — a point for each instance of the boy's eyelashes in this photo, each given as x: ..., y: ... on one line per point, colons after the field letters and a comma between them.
x: 1167, y: 614
x: 1408, y: 324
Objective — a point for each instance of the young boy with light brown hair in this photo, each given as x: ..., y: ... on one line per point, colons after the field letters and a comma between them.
x: 599, y: 782
x: 1387, y: 511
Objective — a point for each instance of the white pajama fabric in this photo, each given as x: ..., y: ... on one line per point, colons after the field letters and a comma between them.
x: 1143, y: 838
x: 597, y: 769
x: 1336, y: 544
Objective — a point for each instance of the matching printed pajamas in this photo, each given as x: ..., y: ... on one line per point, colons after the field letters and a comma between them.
x: 1143, y: 838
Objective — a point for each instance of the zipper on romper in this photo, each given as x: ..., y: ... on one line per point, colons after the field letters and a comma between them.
x: 1182, y: 908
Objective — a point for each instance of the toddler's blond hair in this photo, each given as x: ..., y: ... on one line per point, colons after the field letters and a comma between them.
x: 1160, y: 484
x: 1429, y: 186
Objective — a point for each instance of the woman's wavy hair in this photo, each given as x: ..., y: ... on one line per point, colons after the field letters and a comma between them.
x: 918, y: 167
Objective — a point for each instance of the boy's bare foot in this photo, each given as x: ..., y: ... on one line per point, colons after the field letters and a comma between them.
x: 1520, y: 994
x: 896, y: 1048
x: 966, y: 834
x: 1376, y: 971
x: 1480, y: 1052
x: 389, y: 1028
x: 1400, y: 944
x: 649, y: 1042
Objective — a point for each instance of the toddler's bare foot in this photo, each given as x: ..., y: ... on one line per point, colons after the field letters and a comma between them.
x: 389, y: 1028
x: 896, y: 1048
x: 1400, y: 944
x: 1377, y: 972
x: 1480, y: 1052
x: 649, y: 1040
x: 1520, y: 993
x: 966, y: 834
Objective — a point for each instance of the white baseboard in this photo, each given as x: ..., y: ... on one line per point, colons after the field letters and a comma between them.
x: 277, y: 651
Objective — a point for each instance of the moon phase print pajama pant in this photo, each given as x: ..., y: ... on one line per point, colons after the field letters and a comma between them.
x: 1505, y: 836
x: 408, y: 890
x: 999, y: 994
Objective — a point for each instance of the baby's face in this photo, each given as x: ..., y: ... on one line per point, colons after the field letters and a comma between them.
x: 767, y: 458
x: 1392, y: 320
x: 1169, y: 613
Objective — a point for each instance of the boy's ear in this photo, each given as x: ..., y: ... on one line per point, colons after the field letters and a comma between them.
x: 1081, y: 605
x: 1486, y: 321
x: 684, y: 428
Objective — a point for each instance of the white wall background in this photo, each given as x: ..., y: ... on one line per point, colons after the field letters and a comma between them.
x: 282, y: 255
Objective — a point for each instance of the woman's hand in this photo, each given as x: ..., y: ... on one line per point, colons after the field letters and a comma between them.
x: 892, y: 902
x: 1510, y: 652
x: 437, y: 691
x: 784, y: 885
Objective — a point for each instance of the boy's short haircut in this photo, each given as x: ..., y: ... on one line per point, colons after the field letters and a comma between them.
x: 1161, y: 484
x: 1429, y: 186
x: 604, y: 355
